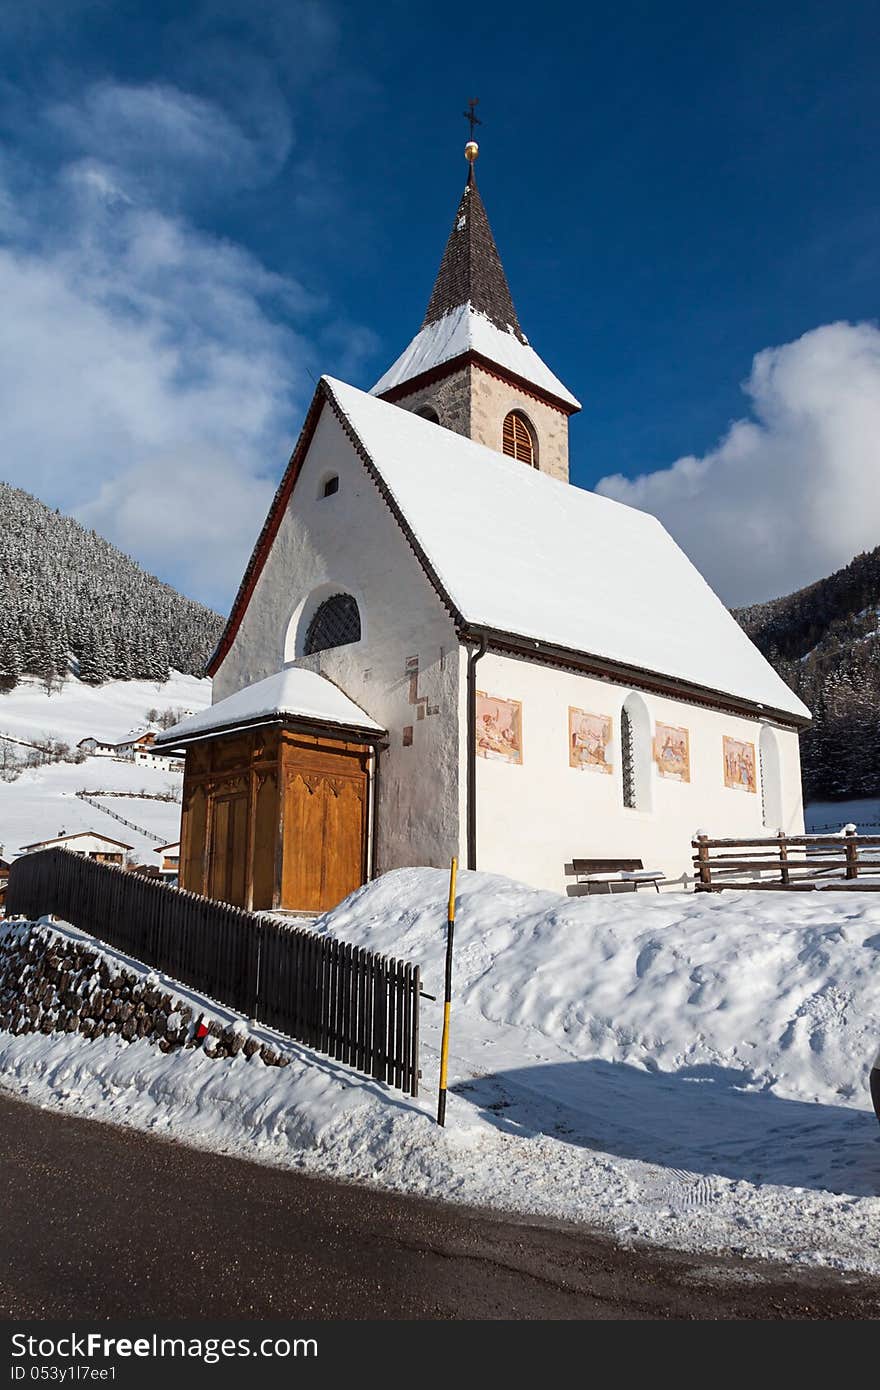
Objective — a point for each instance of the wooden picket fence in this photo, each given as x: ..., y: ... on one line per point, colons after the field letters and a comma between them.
x: 788, y: 862
x: 358, y: 1007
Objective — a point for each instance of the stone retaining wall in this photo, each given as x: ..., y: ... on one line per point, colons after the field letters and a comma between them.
x: 50, y: 983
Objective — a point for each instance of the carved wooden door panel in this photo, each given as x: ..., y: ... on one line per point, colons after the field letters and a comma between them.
x: 227, y: 862
x: 324, y: 838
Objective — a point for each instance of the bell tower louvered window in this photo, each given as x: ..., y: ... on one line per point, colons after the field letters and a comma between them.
x: 518, y: 442
x: 336, y: 623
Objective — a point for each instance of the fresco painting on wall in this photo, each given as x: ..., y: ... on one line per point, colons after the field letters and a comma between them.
x: 672, y: 752
x: 739, y: 765
x: 499, y: 728
x: 589, y: 736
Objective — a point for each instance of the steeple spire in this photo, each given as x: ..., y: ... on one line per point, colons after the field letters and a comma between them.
x: 470, y: 367
x: 471, y: 271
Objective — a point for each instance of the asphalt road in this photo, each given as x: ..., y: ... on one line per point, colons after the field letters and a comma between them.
x: 103, y: 1222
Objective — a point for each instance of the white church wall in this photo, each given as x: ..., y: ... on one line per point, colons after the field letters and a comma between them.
x: 405, y: 669
x: 534, y: 817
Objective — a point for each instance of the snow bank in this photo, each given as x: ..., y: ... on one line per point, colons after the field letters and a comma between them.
x: 686, y: 1070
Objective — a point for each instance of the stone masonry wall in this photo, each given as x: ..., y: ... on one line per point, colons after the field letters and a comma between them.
x: 474, y: 403
x: 493, y: 399
x: 450, y: 397
x: 50, y: 983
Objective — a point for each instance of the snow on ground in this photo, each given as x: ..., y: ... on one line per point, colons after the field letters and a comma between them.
x: 109, y: 712
x: 829, y: 817
x: 681, y: 1069
x: 42, y: 803
x: 158, y: 816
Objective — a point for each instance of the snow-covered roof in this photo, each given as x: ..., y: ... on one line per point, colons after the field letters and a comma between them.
x: 294, y: 693
x: 462, y: 330
x: 78, y: 835
x: 522, y: 553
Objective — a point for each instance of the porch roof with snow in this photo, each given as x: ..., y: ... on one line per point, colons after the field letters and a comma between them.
x: 294, y: 694
x: 549, y: 568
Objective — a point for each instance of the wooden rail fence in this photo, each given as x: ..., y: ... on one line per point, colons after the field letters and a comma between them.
x: 788, y: 862
x: 358, y: 1007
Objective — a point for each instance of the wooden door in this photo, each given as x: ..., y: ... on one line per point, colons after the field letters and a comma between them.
x: 325, y: 820
x: 227, y: 858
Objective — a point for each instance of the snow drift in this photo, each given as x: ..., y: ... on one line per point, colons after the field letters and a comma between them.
x: 683, y: 1069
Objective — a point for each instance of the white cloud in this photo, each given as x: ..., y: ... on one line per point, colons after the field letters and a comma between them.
x: 152, y: 374
x: 143, y: 355
x: 192, y: 512
x: 157, y: 137
x: 793, y: 492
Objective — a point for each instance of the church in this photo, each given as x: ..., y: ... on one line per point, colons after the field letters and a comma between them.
x: 441, y: 647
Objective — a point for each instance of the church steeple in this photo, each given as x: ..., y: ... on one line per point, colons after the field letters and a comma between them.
x: 471, y: 367
x: 471, y: 271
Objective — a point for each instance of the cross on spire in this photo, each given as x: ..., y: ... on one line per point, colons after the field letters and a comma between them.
x: 471, y: 115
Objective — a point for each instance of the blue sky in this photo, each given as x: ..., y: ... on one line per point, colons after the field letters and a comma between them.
x: 204, y: 206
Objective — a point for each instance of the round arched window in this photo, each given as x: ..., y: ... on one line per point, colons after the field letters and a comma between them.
x: 635, y: 753
x: 336, y: 623
x: 517, y: 439
x: 771, y: 779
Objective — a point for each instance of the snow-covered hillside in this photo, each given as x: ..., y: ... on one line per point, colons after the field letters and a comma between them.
x: 690, y: 1070
x: 108, y: 711
x: 42, y: 802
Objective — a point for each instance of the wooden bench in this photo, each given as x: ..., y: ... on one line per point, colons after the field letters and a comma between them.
x: 611, y: 876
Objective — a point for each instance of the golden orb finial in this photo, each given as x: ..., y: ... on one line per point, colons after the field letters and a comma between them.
x: 471, y: 150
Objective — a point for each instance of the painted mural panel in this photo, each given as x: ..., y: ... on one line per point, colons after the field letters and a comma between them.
x: 589, y: 737
x: 499, y: 728
x: 739, y: 765
x: 672, y: 752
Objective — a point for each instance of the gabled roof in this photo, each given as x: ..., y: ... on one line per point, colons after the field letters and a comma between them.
x: 78, y: 835
x: 471, y: 313
x: 514, y: 552
x: 294, y: 693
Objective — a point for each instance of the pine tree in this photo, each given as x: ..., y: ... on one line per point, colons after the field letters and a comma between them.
x: 67, y: 593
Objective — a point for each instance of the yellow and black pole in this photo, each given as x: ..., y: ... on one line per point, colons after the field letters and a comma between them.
x: 447, y: 996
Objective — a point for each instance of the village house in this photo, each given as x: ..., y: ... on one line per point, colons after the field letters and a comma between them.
x: 89, y: 843
x: 137, y: 748
x: 441, y: 647
x: 96, y: 748
x: 144, y: 753
x: 169, y: 864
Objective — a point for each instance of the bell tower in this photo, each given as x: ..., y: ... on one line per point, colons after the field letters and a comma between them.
x: 470, y: 368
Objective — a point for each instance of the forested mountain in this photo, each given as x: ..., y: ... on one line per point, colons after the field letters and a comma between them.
x: 71, y: 601
x: 825, y: 643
